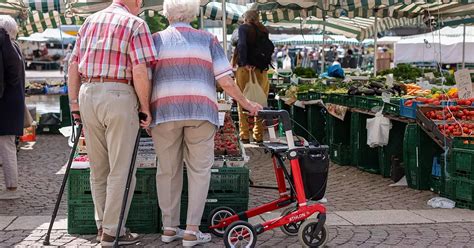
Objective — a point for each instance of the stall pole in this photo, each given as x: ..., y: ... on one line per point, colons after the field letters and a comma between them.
x: 201, y: 18
x: 323, y: 55
x: 375, y: 41
x: 224, y: 27
x: 463, y: 46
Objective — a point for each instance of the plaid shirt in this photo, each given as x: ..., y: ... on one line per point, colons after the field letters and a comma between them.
x: 111, y: 42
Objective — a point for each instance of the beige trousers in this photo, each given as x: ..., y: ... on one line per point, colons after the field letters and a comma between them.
x: 8, y: 160
x: 192, y: 142
x: 242, y: 77
x: 109, y: 112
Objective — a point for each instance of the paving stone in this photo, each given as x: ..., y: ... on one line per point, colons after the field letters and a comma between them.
x: 382, y: 217
x: 37, y: 222
x: 5, y: 221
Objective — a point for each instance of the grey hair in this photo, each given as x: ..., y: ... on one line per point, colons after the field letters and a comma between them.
x: 181, y: 10
x: 9, y: 24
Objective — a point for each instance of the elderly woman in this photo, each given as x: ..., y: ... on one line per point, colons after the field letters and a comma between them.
x: 12, y: 103
x: 185, y: 115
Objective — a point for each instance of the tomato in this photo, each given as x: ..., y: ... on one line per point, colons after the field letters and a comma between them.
x: 409, y: 103
x: 450, y: 128
x: 468, y: 102
x: 465, y: 111
x: 457, y: 133
x: 436, y: 103
x: 464, y: 117
x: 448, y: 115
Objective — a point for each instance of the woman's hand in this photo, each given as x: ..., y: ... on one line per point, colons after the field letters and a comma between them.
x: 252, y: 108
x: 250, y: 68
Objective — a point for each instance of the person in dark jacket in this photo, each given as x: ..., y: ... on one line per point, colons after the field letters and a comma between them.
x: 244, y: 57
x: 12, y: 103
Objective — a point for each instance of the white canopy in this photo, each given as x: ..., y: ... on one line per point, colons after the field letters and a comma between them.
x: 442, y: 46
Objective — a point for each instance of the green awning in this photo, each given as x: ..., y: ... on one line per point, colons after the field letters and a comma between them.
x: 38, y: 22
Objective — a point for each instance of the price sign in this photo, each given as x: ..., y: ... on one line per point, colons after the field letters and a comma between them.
x: 464, y: 83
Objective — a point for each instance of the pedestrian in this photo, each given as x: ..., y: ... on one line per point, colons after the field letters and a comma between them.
x: 65, y: 62
x: 250, y: 34
x: 185, y: 116
x: 109, y: 64
x: 12, y: 104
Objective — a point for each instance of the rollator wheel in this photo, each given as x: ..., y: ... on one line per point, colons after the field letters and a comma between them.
x: 290, y: 229
x: 240, y: 234
x: 308, y: 237
x: 216, y: 215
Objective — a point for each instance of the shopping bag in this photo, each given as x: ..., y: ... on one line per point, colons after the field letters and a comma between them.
x: 254, y: 92
x: 378, y: 130
x: 287, y: 63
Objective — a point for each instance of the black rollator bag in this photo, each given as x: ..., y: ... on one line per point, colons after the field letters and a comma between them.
x: 314, y: 164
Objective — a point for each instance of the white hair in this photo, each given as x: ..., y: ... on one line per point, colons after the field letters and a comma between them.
x: 181, y: 10
x: 9, y: 24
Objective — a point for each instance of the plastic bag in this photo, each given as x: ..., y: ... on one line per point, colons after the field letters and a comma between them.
x: 378, y: 130
x: 441, y: 202
x: 254, y: 92
x: 287, y: 63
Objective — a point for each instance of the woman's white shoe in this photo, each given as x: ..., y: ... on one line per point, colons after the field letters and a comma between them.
x: 201, y: 238
x: 178, y: 234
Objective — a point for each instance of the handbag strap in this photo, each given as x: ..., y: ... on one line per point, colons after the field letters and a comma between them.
x: 253, y: 77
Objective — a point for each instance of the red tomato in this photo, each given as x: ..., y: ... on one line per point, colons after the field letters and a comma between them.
x: 468, y: 102
x: 409, y: 103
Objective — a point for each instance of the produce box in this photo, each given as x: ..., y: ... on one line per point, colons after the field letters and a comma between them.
x: 363, y: 156
x: 300, y: 121
x: 460, y: 188
x: 143, y: 217
x: 226, y: 141
x: 408, y: 108
x: 392, y: 149
x: 392, y: 107
x: 449, y: 124
x: 340, y: 154
x: 317, y: 123
x: 418, y: 153
x: 374, y: 104
x: 338, y: 131
x: 462, y: 163
x: 226, y: 182
x: 361, y: 102
x: 79, y: 189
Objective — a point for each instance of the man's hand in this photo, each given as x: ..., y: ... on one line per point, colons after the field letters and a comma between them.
x: 76, y: 116
x: 250, y: 68
x: 252, y: 107
x: 146, y: 122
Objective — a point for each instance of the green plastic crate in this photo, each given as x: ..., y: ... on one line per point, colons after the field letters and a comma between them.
x: 364, y: 157
x: 300, y: 121
x: 338, y: 131
x: 340, y: 154
x: 302, y: 96
x: 361, y: 102
x: 237, y: 204
x: 79, y: 189
x: 317, y: 123
x: 418, y: 152
x: 463, y: 143
x: 143, y: 217
x: 348, y: 100
x: 392, y: 149
x: 283, y: 106
x: 392, y: 108
x: 460, y: 188
x: 462, y: 161
x: 374, y: 103
x: 229, y: 182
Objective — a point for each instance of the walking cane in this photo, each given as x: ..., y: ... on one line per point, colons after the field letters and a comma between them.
x: 66, y: 175
x: 141, y: 116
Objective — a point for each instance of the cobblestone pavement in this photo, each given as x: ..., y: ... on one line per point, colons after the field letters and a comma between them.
x: 432, y: 235
x: 348, y: 189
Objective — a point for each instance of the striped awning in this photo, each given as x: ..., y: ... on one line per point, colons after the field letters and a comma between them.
x: 299, y: 40
x: 38, y: 22
x: 12, y: 7
x: 277, y: 10
x: 359, y: 28
x: 46, y: 5
x: 213, y: 11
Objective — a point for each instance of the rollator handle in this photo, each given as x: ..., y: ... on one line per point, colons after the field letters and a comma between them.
x: 283, y: 115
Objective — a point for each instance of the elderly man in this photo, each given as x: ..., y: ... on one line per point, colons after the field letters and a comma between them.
x: 109, y: 64
x: 185, y: 115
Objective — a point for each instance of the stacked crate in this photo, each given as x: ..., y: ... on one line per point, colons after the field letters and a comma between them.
x: 458, y: 172
x: 364, y: 157
x: 144, y: 215
x: 229, y: 187
x: 337, y: 136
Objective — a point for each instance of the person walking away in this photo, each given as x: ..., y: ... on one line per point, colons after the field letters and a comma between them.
x: 109, y: 64
x: 12, y: 104
x: 185, y: 116
x: 253, y: 41
x: 65, y: 62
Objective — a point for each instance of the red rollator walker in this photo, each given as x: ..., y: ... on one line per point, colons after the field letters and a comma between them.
x: 307, y: 180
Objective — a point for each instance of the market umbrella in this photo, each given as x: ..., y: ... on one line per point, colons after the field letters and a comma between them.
x: 38, y: 22
x: 313, y: 39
